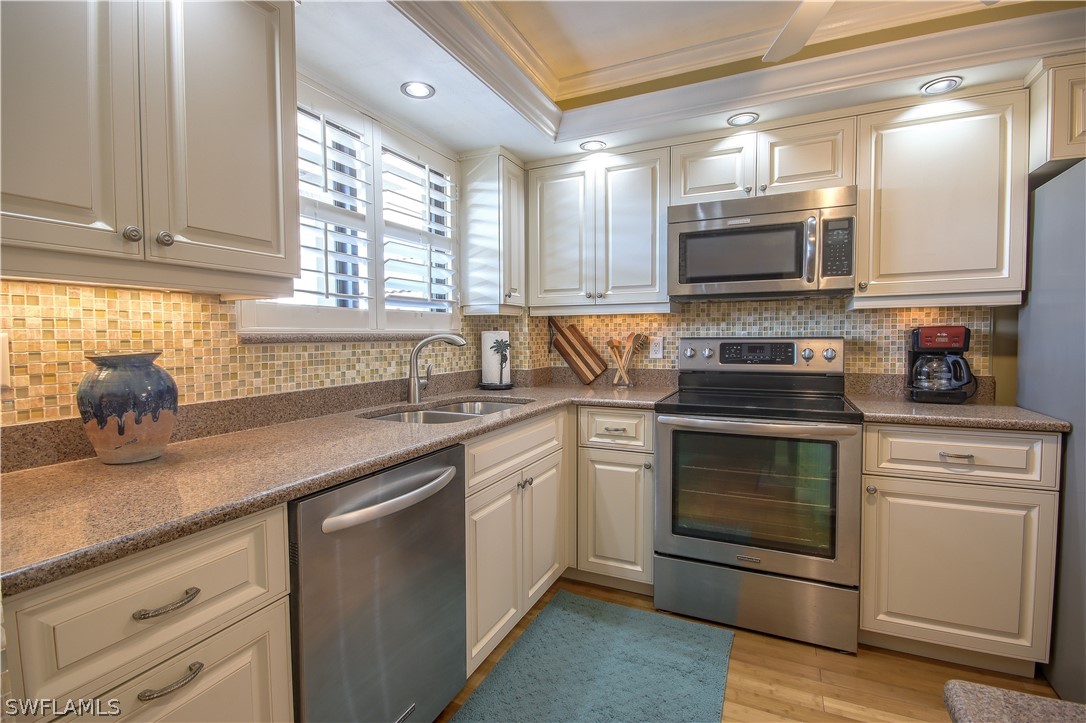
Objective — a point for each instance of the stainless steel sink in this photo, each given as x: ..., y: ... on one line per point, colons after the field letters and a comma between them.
x: 477, y: 408
x: 446, y: 413
x: 426, y: 416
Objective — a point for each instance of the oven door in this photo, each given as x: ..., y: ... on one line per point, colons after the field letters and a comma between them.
x: 752, y: 255
x: 781, y: 498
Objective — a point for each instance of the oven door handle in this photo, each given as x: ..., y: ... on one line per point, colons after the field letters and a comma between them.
x: 792, y: 429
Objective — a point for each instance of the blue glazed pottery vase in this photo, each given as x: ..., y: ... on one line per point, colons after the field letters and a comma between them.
x: 128, y: 406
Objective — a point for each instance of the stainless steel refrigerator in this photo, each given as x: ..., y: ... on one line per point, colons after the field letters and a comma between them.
x: 1052, y: 380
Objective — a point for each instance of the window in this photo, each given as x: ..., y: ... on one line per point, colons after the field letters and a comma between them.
x: 377, y: 221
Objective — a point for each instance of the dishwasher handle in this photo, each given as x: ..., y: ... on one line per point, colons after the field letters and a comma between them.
x: 335, y: 523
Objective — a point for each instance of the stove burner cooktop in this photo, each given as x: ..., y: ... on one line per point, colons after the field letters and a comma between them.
x: 798, y: 407
x: 793, y: 378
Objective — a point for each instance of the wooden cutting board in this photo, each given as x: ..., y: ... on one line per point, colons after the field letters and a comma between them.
x: 582, y: 358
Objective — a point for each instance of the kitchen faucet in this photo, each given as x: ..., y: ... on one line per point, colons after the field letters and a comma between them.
x: 416, y: 383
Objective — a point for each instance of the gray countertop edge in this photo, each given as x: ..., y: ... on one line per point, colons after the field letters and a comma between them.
x: 883, y: 410
x: 35, y: 571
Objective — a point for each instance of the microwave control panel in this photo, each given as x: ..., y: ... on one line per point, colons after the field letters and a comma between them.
x: 837, y: 246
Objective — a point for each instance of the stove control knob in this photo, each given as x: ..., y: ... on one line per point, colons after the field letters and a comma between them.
x: 807, y: 354
x: 829, y: 355
x: 707, y: 353
x: 689, y: 352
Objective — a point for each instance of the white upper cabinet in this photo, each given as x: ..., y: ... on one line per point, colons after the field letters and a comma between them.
x: 941, y: 203
x: 154, y: 144
x: 598, y: 235
x: 799, y: 158
x: 492, y: 258
x: 1057, y: 116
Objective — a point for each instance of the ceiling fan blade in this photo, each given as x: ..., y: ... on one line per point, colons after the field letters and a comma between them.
x: 798, y: 30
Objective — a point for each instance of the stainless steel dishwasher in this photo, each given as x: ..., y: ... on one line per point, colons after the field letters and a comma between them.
x: 378, y: 594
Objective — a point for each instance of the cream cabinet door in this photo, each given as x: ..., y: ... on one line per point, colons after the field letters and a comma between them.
x: 716, y: 170
x: 807, y: 157
x: 220, y: 135
x: 494, y: 563
x: 959, y: 564
x: 614, y: 513
x: 544, y: 514
x: 240, y: 674
x: 71, y: 151
x: 631, y: 229
x: 512, y: 233
x: 941, y: 203
x: 561, y: 235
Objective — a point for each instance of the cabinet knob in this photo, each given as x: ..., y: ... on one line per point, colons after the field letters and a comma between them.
x: 529, y: 481
x: 165, y: 238
x: 762, y: 187
x: 132, y: 233
x: 509, y: 294
x: 588, y: 295
x: 748, y: 189
x: 648, y: 465
x: 599, y: 294
x: 863, y: 286
x: 872, y: 489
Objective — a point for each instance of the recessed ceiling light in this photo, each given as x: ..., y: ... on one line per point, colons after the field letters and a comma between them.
x: 742, y: 119
x: 941, y: 85
x: 417, y: 89
x: 593, y: 146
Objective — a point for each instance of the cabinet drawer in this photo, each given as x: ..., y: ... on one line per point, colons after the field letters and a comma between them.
x: 493, y: 456
x: 992, y: 457
x: 615, y: 428
x: 81, y: 634
x: 241, y: 673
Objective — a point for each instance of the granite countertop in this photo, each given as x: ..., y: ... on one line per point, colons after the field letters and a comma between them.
x: 899, y: 410
x: 65, y: 518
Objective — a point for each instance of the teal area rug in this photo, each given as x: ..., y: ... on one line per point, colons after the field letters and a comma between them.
x: 586, y: 660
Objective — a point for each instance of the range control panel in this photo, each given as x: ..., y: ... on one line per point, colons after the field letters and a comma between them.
x: 815, y: 355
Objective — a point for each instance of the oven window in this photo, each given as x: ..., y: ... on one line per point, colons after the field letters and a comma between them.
x: 764, y: 492
x: 742, y: 254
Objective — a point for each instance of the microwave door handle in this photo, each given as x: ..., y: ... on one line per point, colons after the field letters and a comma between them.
x: 809, y: 255
x: 792, y: 429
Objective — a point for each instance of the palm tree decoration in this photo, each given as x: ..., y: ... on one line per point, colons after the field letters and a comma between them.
x: 501, y: 346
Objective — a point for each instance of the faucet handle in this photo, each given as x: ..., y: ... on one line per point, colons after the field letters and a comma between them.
x: 423, y: 383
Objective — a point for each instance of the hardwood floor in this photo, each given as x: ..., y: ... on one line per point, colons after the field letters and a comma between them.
x: 772, y: 679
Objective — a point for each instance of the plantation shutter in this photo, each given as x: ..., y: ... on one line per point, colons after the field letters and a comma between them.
x: 418, y: 246
x: 335, y: 180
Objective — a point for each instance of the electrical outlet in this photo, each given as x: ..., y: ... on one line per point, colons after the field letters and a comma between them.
x: 656, y: 347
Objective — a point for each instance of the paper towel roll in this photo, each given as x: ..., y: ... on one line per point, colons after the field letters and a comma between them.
x: 497, y: 359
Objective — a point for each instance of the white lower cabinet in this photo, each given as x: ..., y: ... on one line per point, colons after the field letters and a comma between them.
x: 516, y: 531
x: 240, y: 674
x: 217, y: 597
x: 954, y: 562
x: 615, y: 492
x: 614, y: 520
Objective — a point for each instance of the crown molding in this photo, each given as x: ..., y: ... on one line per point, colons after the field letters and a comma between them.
x: 516, y: 46
x: 1027, y: 37
x: 458, y: 32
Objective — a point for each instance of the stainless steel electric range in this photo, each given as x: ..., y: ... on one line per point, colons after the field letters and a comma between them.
x: 758, y: 489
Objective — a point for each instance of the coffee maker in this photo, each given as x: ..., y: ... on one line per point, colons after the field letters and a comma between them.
x: 938, y: 373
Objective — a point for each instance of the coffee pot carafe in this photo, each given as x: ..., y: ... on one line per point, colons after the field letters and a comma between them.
x: 938, y: 373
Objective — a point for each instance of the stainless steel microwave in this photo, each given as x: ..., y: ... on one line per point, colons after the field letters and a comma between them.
x: 786, y: 244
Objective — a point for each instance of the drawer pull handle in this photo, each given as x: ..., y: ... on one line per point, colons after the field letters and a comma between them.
x: 190, y: 595
x: 194, y: 670
x: 614, y: 429
x: 950, y: 455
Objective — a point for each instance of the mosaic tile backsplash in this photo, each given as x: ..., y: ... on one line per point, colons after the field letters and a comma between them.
x: 52, y: 327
